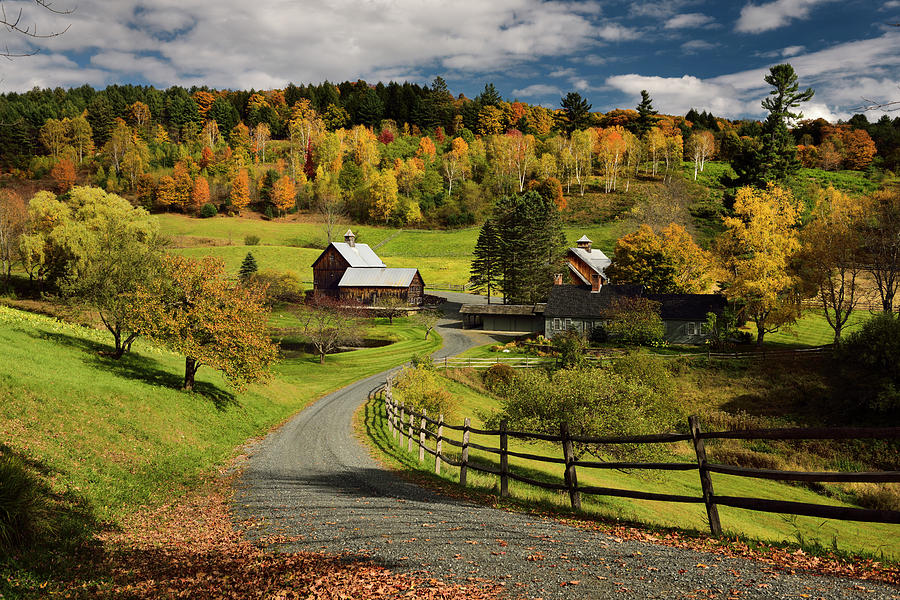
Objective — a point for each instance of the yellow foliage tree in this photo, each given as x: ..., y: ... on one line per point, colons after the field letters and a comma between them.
x: 240, y: 190
x: 383, y: 192
x: 756, y: 249
x: 284, y: 193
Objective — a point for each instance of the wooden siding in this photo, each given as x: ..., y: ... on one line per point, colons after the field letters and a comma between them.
x: 328, y: 269
x: 414, y: 294
x: 586, y: 271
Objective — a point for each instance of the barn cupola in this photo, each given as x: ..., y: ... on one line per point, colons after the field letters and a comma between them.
x: 584, y: 243
x: 350, y: 238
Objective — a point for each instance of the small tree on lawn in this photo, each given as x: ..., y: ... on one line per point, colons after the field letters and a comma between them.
x: 427, y: 319
x: 636, y: 321
x: 195, y: 311
x: 391, y: 307
x: 328, y: 325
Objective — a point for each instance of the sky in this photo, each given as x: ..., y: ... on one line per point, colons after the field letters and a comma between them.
x: 704, y: 54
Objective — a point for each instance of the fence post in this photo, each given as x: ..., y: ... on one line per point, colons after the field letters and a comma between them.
x: 504, y: 461
x: 422, y: 437
x: 712, y: 511
x: 409, y: 433
x: 571, y: 476
x: 399, y: 433
x: 464, y: 459
x: 439, y: 445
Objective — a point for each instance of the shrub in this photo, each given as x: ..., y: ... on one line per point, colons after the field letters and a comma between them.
x: 422, y: 360
x: 251, y: 240
x: 281, y: 286
x: 421, y: 387
x: 570, y: 345
x: 498, y: 375
x: 208, y: 210
x: 636, y: 321
x: 873, y: 351
x: 24, y: 505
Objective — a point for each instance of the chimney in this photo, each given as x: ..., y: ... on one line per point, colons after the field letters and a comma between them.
x: 584, y: 243
x: 350, y: 238
x: 557, y: 279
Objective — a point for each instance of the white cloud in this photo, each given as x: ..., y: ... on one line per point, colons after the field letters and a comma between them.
x: 697, y: 46
x: 537, y: 89
x: 757, y: 18
x: 562, y: 72
x: 891, y: 4
x: 236, y: 44
x: 48, y: 70
x: 688, y: 21
x: 831, y: 73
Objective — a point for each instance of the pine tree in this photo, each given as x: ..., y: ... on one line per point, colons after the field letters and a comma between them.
x: 575, y: 114
x: 646, y: 112
x: 248, y: 267
x: 485, y: 270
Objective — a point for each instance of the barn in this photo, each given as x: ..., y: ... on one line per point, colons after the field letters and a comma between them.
x: 350, y: 271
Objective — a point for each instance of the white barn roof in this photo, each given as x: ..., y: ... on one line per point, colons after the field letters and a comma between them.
x: 358, y: 255
x: 369, y: 277
x: 595, y: 259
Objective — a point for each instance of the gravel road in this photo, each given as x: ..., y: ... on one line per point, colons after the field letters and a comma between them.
x: 314, y: 482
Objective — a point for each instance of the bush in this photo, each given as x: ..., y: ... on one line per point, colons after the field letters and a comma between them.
x: 24, y: 505
x: 636, y: 321
x: 421, y: 387
x: 422, y: 360
x: 251, y: 240
x: 873, y: 351
x: 498, y: 375
x: 208, y: 210
x: 281, y: 286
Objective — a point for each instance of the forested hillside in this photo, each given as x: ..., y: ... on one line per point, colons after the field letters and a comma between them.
x: 400, y: 154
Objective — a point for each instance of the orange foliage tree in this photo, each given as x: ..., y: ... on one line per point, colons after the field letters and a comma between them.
x: 184, y: 185
x: 859, y: 149
x: 194, y: 310
x: 200, y: 193
x: 166, y: 195
x: 284, y: 193
x: 240, y: 190
x: 63, y: 173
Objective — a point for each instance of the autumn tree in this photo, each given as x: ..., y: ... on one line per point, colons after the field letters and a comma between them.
x: 859, y: 149
x: 756, y: 250
x: 166, y: 195
x: 63, y: 174
x: 135, y: 161
x: 119, y: 140
x: 701, y: 146
x: 199, y: 193
x: 240, y: 190
x: 54, y: 135
x: 284, y: 194
x: 580, y: 155
x: 13, y: 218
x: 383, y: 193
x: 831, y: 256
x: 668, y: 262
x: 879, y: 228
x: 611, y: 147
x: 455, y: 162
x: 328, y: 201
x: 427, y: 319
x: 261, y: 136
x: 82, y: 137
x: 194, y: 310
x: 140, y: 116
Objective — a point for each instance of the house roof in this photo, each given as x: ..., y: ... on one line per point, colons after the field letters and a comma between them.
x: 357, y: 255
x: 520, y: 310
x: 595, y: 259
x: 688, y: 307
x: 374, y: 277
x: 578, y: 301
x: 575, y: 301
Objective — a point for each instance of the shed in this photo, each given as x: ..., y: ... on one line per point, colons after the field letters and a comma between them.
x: 509, y: 318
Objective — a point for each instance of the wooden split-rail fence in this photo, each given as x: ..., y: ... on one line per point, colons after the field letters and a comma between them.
x: 404, y: 422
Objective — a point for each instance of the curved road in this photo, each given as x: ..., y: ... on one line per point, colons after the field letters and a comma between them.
x: 314, y: 482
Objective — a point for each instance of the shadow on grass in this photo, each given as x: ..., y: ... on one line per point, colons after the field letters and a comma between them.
x: 62, y: 527
x: 139, y: 368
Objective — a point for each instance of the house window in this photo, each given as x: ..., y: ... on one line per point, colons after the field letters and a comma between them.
x: 568, y: 324
x: 692, y: 328
x: 556, y: 324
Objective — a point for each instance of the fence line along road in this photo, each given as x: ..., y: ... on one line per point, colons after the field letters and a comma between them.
x: 418, y: 427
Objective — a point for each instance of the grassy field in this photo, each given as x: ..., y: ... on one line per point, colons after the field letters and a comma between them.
x: 855, y: 537
x: 812, y: 329
x: 443, y: 257
x: 118, y: 434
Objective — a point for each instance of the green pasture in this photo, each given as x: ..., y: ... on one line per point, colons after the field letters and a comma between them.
x: 120, y: 434
x: 812, y: 329
x: 848, y: 536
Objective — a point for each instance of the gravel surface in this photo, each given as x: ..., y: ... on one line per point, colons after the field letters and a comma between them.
x: 315, y: 483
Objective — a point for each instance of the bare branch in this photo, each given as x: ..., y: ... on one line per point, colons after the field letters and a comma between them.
x: 13, y: 24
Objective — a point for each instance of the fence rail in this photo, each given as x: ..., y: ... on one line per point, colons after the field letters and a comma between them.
x: 403, y: 421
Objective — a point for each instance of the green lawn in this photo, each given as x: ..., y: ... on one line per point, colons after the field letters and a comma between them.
x: 812, y: 329
x: 119, y: 434
x: 858, y: 537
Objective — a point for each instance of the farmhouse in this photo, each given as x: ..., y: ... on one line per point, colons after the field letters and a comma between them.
x: 350, y: 271
x: 580, y: 308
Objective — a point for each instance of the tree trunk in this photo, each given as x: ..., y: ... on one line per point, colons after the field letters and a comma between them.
x: 190, y: 369
x: 760, y: 332
x: 322, y: 358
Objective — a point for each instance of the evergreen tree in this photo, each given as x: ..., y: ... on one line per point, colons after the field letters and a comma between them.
x: 248, y: 267
x: 646, y: 112
x: 485, y: 270
x: 489, y: 96
x: 773, y: 157
x: 576, y: 113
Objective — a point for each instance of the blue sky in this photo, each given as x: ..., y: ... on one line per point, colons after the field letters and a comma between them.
x: 706, y: 54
